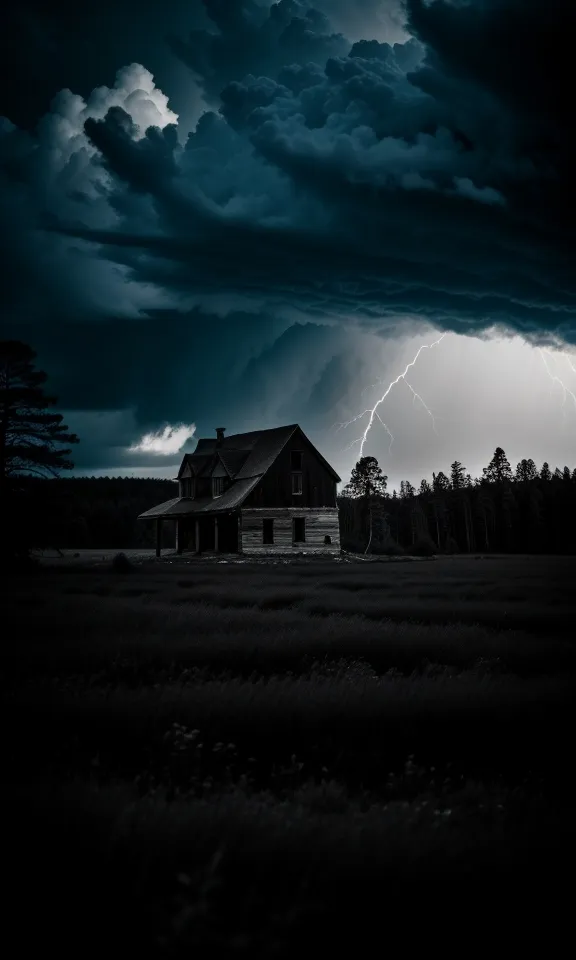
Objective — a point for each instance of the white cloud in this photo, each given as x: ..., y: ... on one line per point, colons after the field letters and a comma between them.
x: 165, y: 442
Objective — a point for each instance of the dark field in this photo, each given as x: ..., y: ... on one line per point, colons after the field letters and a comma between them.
x: 244, y: 758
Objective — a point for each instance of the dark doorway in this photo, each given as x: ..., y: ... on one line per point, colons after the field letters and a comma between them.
x: 299, y: 529
x: 268, y: 530
x: 228, y: 533
x: 206, y: 533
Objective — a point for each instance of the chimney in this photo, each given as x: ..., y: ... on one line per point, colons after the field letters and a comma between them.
x: 220, y: 436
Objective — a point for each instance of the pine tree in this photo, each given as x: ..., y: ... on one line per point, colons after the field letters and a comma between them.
x: 425, y: 488
x: 367, y: 479
x: 407, y: 491
x: 457, y: 475
x: 499, y: 469
x: 526, y: 471
x: 440, y: 482
x: 545, y: 473
x: 368, y: 483
x: 31, y: 437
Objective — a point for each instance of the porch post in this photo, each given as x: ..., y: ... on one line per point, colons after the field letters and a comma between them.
x: 197, y: 534
x: 158, y: 536
x: 216, y: 534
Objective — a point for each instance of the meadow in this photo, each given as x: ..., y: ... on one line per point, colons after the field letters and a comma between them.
x: 222, y: 755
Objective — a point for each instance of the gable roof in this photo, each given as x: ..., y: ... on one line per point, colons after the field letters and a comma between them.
x: 246, y: 457
x: 246, y: 454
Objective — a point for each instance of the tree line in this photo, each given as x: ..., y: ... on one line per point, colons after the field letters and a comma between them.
x: 525, y: 510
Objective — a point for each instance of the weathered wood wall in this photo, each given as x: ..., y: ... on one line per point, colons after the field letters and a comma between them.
x: 320, y: 522
x: 275, y: 488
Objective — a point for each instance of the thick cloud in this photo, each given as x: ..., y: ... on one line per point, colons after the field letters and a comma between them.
x: 338, y: 179
x: 420, y: 179
x: 247, y: 37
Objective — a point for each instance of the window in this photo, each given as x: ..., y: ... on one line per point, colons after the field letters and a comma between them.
x: 296, y: 460
x: 217, y: 486
x: 268, y: 530
x: 297, y: 484
x: 299, y: 529
x: 187, y: 487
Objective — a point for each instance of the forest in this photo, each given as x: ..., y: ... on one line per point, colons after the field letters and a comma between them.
x: 525, y: 510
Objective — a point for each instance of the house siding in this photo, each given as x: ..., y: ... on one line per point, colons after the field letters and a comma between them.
x: 320, y: 522
x: 275, y: 488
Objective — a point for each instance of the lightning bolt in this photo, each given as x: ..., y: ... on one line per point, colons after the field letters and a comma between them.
x: 566, y: 391
x: 372, y: 412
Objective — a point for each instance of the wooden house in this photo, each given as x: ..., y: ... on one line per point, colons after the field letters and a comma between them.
x: 268, y: 491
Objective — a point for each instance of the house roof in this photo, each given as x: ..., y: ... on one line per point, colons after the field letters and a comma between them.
x: 246, y: 458
x: 243, y: 454
x: 185, y: 506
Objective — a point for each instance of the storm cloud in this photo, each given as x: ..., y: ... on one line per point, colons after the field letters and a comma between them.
x: 420, y: 179
x: 337, y: 181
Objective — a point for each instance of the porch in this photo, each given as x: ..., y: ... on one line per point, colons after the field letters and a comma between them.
x: 208, y: 533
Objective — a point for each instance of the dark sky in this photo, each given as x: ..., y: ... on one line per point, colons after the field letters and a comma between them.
x: 235, y: 212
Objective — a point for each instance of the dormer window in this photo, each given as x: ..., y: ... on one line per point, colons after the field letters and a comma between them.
x: 187, y: 487
x: 217, y: 486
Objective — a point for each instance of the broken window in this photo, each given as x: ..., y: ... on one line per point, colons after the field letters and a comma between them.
x: 299, y: 529
x: 268, y: 530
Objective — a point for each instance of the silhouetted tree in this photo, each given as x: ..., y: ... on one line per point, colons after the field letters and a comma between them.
x: 407, y: 491
x: 33, y: 441
x: 499, y: 469
x: 367, y: 479
x: 545, y: 472
x: 526, y: 471
x: 368, y: 484
x: 440, y: 482
x: 457, y: 475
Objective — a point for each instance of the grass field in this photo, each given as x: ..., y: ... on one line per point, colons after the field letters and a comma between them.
x: 221, y: 756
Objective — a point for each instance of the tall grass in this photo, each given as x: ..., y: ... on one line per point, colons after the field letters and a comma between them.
x: 226, y: 758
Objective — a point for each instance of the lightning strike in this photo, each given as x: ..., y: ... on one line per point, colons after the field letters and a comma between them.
x: 416, y: 396
x: 566, y: 391
x: 372, y: 412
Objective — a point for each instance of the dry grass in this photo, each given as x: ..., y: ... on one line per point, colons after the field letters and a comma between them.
x: 228, y: 751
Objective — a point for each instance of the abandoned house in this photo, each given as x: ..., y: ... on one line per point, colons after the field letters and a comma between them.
x: 268, y: 491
